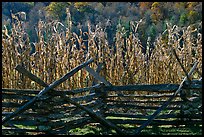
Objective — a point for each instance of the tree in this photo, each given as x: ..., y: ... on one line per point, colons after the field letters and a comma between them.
x: 183, y: 19
x: 58, y: 9
x: 157, y: 14
x: 40, y: 14
x: 193, y: 14
x: 144, y: 7
x: 16, y: 7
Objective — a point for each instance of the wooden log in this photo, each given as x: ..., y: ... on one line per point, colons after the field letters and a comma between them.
x: 18, y: 130
x: 140, y: 104
x: 163, y: 116
x: 16, y: 97
x: 97, y: 76
x: 98, y: 69
x: 139, y: 115
x: 37, y: 116
x: 195, y: 84
x: 23, y: 122
x: 109, y: 106
x: 68, y: 108
x: 141, y: 101
x: 177, y: 58
x: 58, y: 92
x: 89, y: 97
x: 67, y: 92
x: 46, y: 89
x: 81, y: 90
x: 149, y: 88
x: 20, y: 91
x: 58, y: 116
x: 61, y: 123
x: 106, y: 114
x: 95, y: 81
x: 88, y: 104
x: 5, y: 113
x: 195, y: 81
x: 25, y: 114
x: 155, y: 122
x: 79, y: 120
x: 11, y: 104
x: 166, y: 103
x: 89, y: 111
x: 141, y: 96
x: 72, y: 92
x: 96, y: 109
x: 62, y: 108
x: 76, y: 123
x: 34, y: 117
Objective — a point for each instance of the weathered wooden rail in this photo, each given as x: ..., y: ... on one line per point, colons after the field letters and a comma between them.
x: 50, y: 111
x: 136, y: 109
x: 52, y: 115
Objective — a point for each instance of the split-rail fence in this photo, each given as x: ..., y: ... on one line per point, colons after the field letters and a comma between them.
x: 50, y: 111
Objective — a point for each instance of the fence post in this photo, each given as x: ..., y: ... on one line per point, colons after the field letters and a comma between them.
x: 103, y: 94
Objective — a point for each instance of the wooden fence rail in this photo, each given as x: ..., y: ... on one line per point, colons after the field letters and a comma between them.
x: 50, y: 111
x: 42, y: 112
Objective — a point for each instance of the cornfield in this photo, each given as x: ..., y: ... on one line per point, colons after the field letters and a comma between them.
x: 56, y: 54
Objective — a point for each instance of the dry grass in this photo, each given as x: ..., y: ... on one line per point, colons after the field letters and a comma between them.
x: 56, y: 55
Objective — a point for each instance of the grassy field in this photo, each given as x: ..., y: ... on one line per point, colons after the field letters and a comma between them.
x: 97, y: 129
x: 149, y: 130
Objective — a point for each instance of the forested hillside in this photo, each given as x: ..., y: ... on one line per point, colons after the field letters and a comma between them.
x: 108, y: 14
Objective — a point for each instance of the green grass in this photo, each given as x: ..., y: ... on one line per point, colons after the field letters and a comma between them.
x: 98, y: 129
x: 186, y: 130
x: 86, y: 130
x: 26, y: 127
x: 149, y: 130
